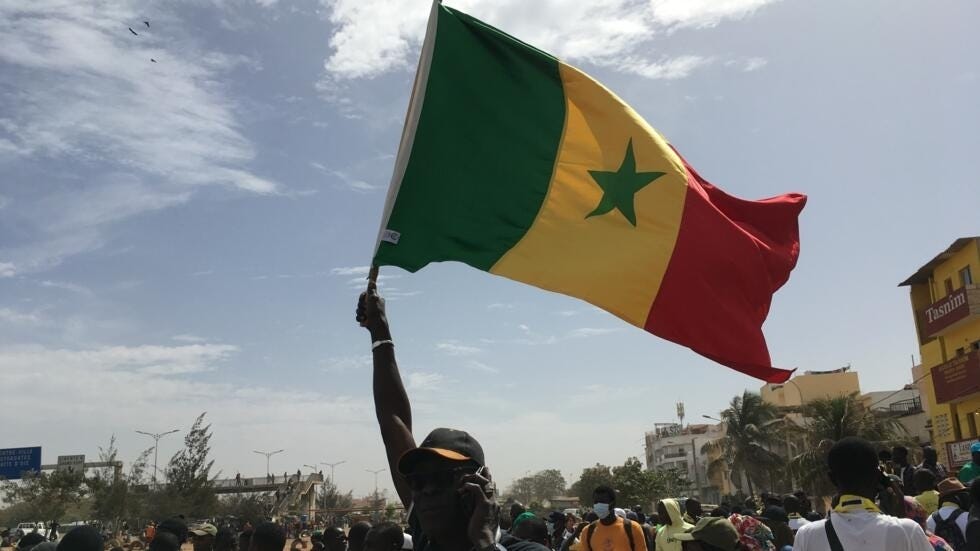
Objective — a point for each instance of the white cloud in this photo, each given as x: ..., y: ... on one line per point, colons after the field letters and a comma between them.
x: 453, y: 348
x: 14, y: 317
x: 702, y: 13
x: 586, y: 332
x: 754, y: 63
x: 188, y: 338
x: 748, y: 64
x: 376, y: 36
x: 347, y: 363
x: 151, y: 359
x: 501, y: 306
x: 147, y: 133
x: 351, y: 270
x: 666, y: 69
x: 114, y: 390
x: 422, y: 381
x: 7, y: 269
x: 67, y: 286
x: 480, y: 366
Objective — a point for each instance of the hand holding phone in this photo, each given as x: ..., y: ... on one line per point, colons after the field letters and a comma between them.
x: 477, y: 493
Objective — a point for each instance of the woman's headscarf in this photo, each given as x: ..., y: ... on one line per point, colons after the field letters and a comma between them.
x: 752, y: 533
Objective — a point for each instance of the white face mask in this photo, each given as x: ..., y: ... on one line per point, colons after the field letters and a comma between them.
x: 601, y: 509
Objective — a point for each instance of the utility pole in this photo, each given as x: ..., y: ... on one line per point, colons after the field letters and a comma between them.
x: 267, y: 455
x: 156, y: 446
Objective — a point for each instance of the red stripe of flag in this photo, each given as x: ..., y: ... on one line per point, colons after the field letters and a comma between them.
x: 730, y: 257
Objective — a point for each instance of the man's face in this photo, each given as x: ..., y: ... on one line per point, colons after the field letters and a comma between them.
x: 434, y: 484
x: 203, y: 543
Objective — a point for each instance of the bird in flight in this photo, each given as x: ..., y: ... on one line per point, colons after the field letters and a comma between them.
x: 132, y: 31
x: 147, y: 23
x: 153, y: 60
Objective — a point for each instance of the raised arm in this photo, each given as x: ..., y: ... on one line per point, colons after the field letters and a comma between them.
x: 391, y: 403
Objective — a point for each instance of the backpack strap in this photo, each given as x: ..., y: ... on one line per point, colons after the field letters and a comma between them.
x: 628, y: 525
x: 954, y: 515
x: 832, y: 539
x: 591, y: 528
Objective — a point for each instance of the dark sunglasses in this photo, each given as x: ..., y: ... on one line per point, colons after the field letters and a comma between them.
x: 445, y: 478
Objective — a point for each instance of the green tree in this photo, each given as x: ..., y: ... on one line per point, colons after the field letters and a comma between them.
x: 115, y: 495
x: 539, y: 486
x: 332, y: 498
x: 751, y: 429
x: 46, y: 496
x: 251, y: 507
x: 599, y: 475
x: 190, y: 487
x: 827, y: 420
x: 634, y: 484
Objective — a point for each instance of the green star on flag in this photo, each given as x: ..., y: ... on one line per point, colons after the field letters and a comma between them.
x: 620, y: 187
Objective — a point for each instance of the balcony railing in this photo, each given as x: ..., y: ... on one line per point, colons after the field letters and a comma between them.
x: 906, y: 407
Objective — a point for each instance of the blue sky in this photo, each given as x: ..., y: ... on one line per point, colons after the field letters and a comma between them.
x: 190, y: 234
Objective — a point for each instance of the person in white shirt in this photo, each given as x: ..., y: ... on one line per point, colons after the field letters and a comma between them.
x: 953, y: 496
x: 857, y: 523
x: 794, y: 508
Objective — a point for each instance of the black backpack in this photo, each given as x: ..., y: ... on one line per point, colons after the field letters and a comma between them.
x: 949, y: 531
x: 627, y: 524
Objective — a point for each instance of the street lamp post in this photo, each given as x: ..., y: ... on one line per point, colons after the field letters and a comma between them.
x: 332, y: 465
x: 156, y: 447
x: 268, y: 456
x: 375, y: 473
x: 312, y: 467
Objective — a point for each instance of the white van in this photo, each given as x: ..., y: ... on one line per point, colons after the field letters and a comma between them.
x: 28, y: 527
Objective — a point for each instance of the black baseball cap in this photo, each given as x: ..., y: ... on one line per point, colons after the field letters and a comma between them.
x: 451, y: 444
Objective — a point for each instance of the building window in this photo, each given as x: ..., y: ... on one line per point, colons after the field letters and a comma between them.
x: 949, y: 285
x: 966, y: 278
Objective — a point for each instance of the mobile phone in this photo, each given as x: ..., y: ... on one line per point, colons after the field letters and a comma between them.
x: 466, y: 500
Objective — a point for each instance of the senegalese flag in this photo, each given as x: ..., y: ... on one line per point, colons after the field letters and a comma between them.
x: 521, y: 165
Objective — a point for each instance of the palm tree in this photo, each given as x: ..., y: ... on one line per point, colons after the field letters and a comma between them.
x: 827, y: 420
x: 751, y: 430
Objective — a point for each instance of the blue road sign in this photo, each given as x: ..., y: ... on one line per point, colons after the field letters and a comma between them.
x: 14, y: 461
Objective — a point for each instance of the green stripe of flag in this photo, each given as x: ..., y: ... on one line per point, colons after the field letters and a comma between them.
x: 484, y: 149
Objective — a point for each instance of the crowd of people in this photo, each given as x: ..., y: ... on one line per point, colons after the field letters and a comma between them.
x: 882, y: 502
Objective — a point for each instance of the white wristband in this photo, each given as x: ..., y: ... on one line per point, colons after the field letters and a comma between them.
x: 376, y: 344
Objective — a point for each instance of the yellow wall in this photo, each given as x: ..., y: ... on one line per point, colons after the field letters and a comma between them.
x: 960, y: 420
x: 811, y: 387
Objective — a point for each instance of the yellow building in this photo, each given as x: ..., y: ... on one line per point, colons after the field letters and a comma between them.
x: 946, y: 307
x: 811, y: 385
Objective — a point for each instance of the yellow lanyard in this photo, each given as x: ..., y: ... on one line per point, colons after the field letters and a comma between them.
x: 850, y: 503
